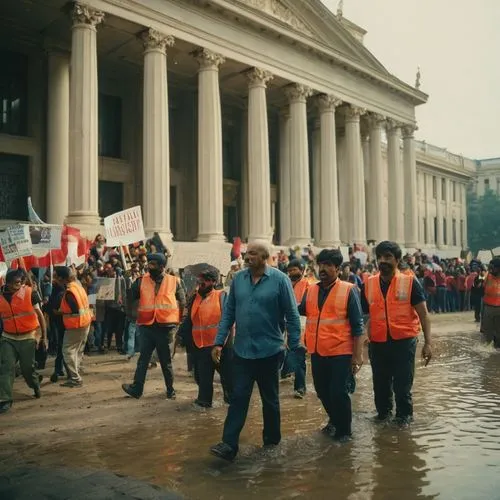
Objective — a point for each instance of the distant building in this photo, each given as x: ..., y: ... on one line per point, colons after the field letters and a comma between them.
x: 488, y: 176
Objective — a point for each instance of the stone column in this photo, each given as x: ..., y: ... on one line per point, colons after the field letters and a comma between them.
x: 396, y: 198
x: 210, y: 174
x: 316, y: 180
x: 439, y: 213
x: 376, y: 209
x: 156, y: 155
x: 58, y: 138
x: 244, y: 175
x: 83, y: 200
x: 448, y: 212
x: 343, y: 178
x: 300, y: 211
x: 259, y: 183
x: 284, y: 176
x: 328, y: 192
x: 463, y: 231
x: 365, y: 155
x: 357, y: 229
x: 410, y: 187
x: 429, y: 219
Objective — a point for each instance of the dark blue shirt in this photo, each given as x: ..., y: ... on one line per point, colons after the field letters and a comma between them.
x: 259, y: 311
x: 354, y: 312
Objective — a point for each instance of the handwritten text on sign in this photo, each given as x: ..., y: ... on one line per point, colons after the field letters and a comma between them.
x: 125, y: 227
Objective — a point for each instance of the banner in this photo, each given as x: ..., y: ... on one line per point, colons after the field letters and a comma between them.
x: 20, y: 236
x: 105, y: 288
x: 45, y: 237
x: 124, y: 228
x: 9, y: 249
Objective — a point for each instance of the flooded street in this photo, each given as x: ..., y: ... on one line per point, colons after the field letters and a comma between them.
x: 452, y: 451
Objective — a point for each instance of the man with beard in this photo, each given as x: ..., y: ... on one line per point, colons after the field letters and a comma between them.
x: 198, y: 332
x: 161, y: 303
x: 490, y: 324
x: 397, y: 308
x: 295, y: 270
x: 260, y: 301
x: 334, y: 339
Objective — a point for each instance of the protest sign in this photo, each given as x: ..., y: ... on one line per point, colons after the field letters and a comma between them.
x: 124, y: 228
x: 105, y: 288
x: 9, y: 249
x: 45, y: 237
x: 20, y: 236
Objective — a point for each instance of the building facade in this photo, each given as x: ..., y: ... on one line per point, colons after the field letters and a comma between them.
x: 263, y: 119
x: 488, y: 176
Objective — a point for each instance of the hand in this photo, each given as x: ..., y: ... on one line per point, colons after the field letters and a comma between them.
x: 427, y: 353
x: 43, y: 342
x: 216, y: 354
x: 356, y: 364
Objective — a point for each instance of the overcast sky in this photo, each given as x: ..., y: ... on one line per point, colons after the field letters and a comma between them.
x: 457, y: 45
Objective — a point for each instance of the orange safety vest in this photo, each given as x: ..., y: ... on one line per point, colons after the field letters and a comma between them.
x: 83, y: 317
x: 365, y: 276
x: 394, y: 314
x: 328, y: 332
x: 19, y: 316
x: 158, y: 307
x: 206, y: 314
x: 299, y: 289
x: 492, y: 291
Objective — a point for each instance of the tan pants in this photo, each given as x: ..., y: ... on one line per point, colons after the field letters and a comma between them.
x: 73, y: 346
x: 490, y: 324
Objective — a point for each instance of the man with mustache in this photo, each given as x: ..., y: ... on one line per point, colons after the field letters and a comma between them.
x: 334, y: 339
x: 397, y: 307
x: 161, y: 303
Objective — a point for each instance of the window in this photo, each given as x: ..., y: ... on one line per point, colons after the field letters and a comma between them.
x: 110, y: 126
x: 443, y: 189
x: 13, y: 93
x: 454, y: 231
x: 13, y: 187
x: 434, y: 187
x: 445, y: 239
x: 454, y: 191
x: 110, y: 197
x: 486, y: 184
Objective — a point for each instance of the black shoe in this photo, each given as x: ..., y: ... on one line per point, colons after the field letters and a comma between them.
x: 342, y: 438
x: 171, y: 394
x: 37, y: 393
x: 403, y: 422
x: 382, y: 417
x: 5, y: 406
x: 202, y: 404
x: 224, y: 451
x: 299, y: 394
x: 328, y: 429
x: 54, y: 378
x: 130, y: 390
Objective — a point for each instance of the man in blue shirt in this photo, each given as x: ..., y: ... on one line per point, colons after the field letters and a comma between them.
x: 260, y: 300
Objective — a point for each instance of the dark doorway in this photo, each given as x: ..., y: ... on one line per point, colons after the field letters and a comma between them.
x: 13, y: 187
x: 110, y: 197
x: 231, y: 223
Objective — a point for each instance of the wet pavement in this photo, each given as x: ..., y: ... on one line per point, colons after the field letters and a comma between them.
x: 451, y: 451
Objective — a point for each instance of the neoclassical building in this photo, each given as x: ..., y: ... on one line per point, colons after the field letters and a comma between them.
x: 252, y: 118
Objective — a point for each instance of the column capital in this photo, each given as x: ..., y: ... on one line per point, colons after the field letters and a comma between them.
x: 208, y: 59
x: 408, y: 130
x: 327, y: 103
x: 375, y: 120
x: 296, y: 92
x: 83, y: 14
x: 392, y: 125
x: 353, y: 113
x: 155, y: 40
x: 258, y: 77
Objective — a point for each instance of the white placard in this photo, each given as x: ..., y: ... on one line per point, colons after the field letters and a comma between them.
x: 20, y: 236
x: 45, y: 237
x: 9, y: 249
x: 105, y: 288
x: 125, y: 227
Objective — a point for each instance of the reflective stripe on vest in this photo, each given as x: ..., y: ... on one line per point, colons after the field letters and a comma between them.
x: 206, y: 313
x: 393, y: 315
x: 18, y: 316
x: 328, y: 332
x: 492, y: 291
x: 83, y: 317
x: 158, y: 307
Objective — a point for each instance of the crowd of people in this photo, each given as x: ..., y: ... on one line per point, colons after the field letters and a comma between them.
x: 245, y: 325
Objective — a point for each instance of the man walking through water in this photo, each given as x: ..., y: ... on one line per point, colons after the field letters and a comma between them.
x: 261, y: 298
x: 397, y: 308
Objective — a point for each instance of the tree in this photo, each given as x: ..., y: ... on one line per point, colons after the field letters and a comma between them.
x: 483, y: 220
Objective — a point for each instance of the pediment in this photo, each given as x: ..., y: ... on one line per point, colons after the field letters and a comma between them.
x: 313, y: 19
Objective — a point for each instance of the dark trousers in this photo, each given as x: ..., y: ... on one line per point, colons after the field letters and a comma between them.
x: 59, y: 363
x: 115, y: 324
x: 154, y: 337
x: 461, y: 300
x: 266, y: 372
x: 441, y: 298
x: 332, y: 377
x: 299, y: 383
x: 393, y: 367
x: 204, y: 371
x: 477, y: 309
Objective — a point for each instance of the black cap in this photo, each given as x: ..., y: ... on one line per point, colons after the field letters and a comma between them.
x: 210, y: 274
x: 157, y: 257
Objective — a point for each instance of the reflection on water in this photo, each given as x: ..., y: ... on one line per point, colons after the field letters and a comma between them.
x: 452, y: 451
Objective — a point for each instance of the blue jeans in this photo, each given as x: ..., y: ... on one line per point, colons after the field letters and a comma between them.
x: 441, y: 299
x: 266, y: 372
x: 98, y: 334
x: 132, y: 334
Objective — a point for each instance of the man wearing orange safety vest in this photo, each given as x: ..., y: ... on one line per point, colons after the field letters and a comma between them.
x: 300, y: 283
x: 397, y: 307
x: 161, y: 304
x: 198, y: 332
x: 490, y: 322
x: 76, y: 317
x: 334, y: 339
x: 21, y: 317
